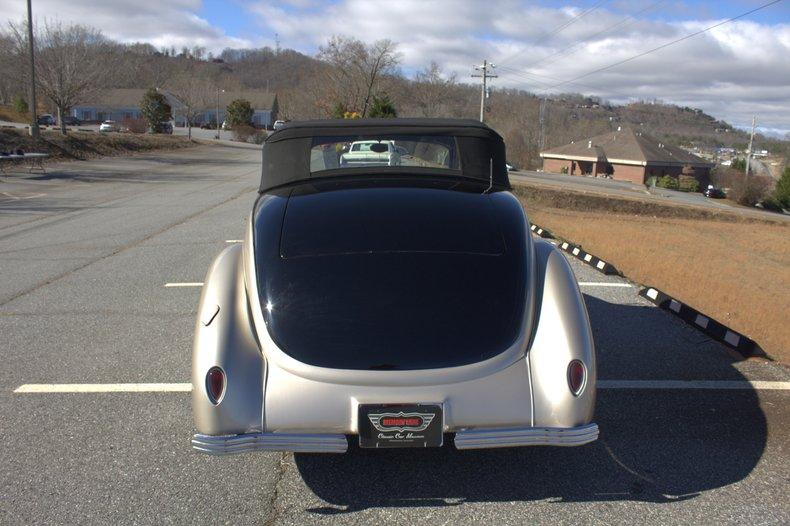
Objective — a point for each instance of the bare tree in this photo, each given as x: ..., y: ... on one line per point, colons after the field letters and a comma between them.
x: 357, y: 69
x: 70, y: 63
x: 194, y: 95
x: 434, y: 93
x: 9, y: 82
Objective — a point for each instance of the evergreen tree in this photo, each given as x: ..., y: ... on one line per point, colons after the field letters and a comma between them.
x: 155, y: 109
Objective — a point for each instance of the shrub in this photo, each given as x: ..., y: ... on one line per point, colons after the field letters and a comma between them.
x: 239, y: 113
x: 155, y: 110
x: 135, y: 125
x: 782, y: 191
x: 259, y: 137
x: 688, y: 184
x: 564, y: 170
x: 668, y: 182
x: 20, y: 105
x: 382, y: 107
x: 243, y: 132
x: 750, y: 190
x: 739, y: 164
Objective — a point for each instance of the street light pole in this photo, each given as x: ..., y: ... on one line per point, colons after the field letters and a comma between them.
x: 34, y: 131
x: 218, y: 113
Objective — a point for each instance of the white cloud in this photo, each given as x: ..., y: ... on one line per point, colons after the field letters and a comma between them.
x: 733, y: 71
x: 163, y: 23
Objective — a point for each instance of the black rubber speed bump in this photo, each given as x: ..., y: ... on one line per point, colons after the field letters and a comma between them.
x: 744, y: 345
x: 595, y: 262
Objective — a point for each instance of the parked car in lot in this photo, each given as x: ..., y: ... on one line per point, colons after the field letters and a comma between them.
x: 164, y: 127
x: 395, y: 305
x: 208, y: 126
x: 714, y: 193
x: 278, y: 124
x: 109, y: 126
x: 68, y: 120
x: 45, y: 119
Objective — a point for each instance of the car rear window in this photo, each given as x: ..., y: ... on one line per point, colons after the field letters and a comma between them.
x: 429, y: 151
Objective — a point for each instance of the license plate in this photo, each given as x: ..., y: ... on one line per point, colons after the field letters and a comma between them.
x: 383, y: 426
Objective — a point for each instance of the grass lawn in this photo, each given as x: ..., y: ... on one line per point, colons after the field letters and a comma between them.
x: 734, y: 269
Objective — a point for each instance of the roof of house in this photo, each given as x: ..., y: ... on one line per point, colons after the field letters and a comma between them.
x: 117, y: 98
x: 258, y: 99
x: 625, y: 146
x: 131, y: 97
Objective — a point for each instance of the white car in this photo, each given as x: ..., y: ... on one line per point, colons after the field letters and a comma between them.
x: 372, y: 153
x: 109, y: 126
x: 278, y: 124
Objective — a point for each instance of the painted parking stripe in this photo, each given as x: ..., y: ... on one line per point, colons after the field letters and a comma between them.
x: 104, y: 388
x: 185, y: 284
x: 603, y: 284
x: 234, y: 241
x: 726, y: 385
x: 757, y: 385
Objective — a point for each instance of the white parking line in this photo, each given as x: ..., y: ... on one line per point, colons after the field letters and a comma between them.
x: 713, y: 385
x: 234, y: 241
x: 603, y: 284
x: 104, y: 388
x: 185, y: 284
x: 756, y: 385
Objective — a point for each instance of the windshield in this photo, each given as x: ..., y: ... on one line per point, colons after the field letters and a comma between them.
x: 430, y: 151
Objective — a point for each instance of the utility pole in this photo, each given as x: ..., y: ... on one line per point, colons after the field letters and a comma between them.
x: 542, y: 120
x: 34, y: 131
x: 484, y: 76
x: 751, y: 141
x: 218, y: 125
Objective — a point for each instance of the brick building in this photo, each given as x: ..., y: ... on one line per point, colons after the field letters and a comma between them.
x: 625, y: 155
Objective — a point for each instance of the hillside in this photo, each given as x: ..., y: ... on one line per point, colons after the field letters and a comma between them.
x: 304, y: 86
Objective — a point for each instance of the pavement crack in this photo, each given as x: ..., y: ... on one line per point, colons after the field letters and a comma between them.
x: 274, y: 511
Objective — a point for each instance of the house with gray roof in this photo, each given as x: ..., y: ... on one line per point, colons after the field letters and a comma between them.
x: 625, y: 155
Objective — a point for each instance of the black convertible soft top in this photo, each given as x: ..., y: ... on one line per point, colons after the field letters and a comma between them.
x: 286, y: 152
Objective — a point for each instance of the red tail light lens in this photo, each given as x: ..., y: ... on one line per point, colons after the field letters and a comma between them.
x: 576, y: 376
x: 215, y: 384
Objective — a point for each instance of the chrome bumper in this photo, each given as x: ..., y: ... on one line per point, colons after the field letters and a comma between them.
x: 526, y: 436
x: 327, y: 443
x: 298, y: 443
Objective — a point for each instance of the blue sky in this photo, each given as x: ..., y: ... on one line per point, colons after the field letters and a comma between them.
x: 732, y: 72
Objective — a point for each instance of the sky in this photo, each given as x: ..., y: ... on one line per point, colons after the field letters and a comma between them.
x: 734, y: 71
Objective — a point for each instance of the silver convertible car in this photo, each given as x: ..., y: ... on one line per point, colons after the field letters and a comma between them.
x: 392, y: 306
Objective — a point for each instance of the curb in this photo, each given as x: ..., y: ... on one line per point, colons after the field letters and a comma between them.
x: 542, y: 232
x: 745, y: 346
x: 595, y: 262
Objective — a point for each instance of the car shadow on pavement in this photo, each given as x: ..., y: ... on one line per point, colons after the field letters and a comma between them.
x: 658, y: 446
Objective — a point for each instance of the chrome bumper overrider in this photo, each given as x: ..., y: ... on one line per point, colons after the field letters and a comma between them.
x: 526, y: 436
x: 301, y: 443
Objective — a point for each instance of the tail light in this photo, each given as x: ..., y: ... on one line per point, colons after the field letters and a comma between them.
x: 215, y: 384
x: 576, y: 376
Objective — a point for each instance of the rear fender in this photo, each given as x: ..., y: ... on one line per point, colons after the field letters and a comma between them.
x: 225, y: 338
x: 562, y: 334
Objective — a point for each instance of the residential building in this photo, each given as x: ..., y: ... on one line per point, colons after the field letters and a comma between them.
x: 625, y: 155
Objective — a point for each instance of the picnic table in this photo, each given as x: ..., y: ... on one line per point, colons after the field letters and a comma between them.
x: 35, y: 161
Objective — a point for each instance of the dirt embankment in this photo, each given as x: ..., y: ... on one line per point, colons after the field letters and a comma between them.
x: 734, y: 268
x: 88, y: 145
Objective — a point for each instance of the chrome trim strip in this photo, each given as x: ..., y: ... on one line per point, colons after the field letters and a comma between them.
x: 526, y: 436
x: 299, y: 443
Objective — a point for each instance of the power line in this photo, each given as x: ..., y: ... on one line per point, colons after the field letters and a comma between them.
x: 562, y: 51
x: 526, y: 75
x: 556, y: 30
x: 681, y: 39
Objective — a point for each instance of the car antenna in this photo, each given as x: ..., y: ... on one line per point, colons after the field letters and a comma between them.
x: 490, y: 175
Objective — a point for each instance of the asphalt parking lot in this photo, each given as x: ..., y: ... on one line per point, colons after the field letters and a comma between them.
x: 86, y: 253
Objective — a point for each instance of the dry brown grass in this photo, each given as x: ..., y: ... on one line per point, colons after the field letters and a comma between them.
x: 87, y: 145
x: 735, y: 270
x: 9, y: 114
